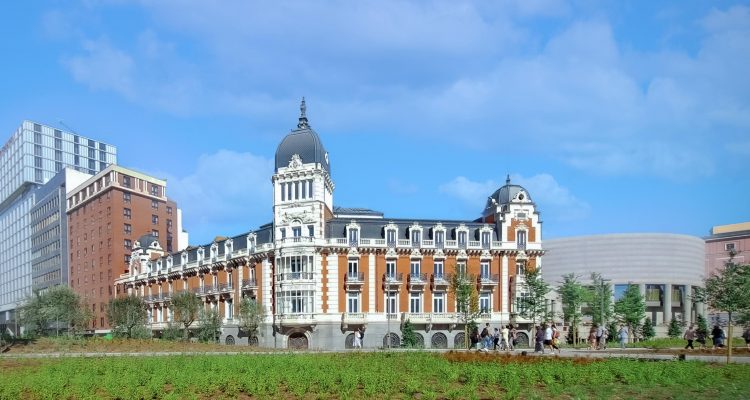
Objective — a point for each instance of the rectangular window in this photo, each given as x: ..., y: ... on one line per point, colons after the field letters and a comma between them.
x: 154, y: 219
x: 58, y: 133
x: 38, y: 175
x: 283, y: 192
x: 296, y: 231
x: 353, y: 237
x: 353, y: 269
x: 484, y: 270
x: 58, y: 166
x: 390, y: 269
x: 92, y: 164
x: 289, y: 191
x: 352, y: 302
x: 92, y: 143
x: 414, y: 268
x: 485, y: 305
x: 296, y: 190
x: 439, y: 270
x: 128, y: 243
x: 126, y: 198
x: 461, y: 268
x: 304, y: 190
x: 521, y: 240
x: 310, y: 188
x: 416, y: 238
x: 128, y: 229
x: 390, y: 237
x: 126, y: 213
x: 37, y: 128
x: 462, y: 239
x: 169, y: 210
x: 154, y: 204
x: 155, y: 190
x: 102, y: 156
x: 729, y: 246
x: 155, y: 233
x: 58, y: 143
x: 58, y: 155
x: 125, y: 181
x: 438, y: 303
x: 415, y: 302
x: 391, y: 300
x: 283, y: 233
x: 92, y: 153
x: 439, y: 239
x: 102, y: 166
x: 311, y: 230
x: 485, y: 240
x: 38, y: 162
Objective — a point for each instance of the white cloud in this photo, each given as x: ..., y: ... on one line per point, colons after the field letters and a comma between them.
x: 553, y: 200
x: 578, y: 94
x: 227, y: 193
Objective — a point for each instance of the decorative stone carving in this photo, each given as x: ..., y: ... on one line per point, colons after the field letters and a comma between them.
x: 295, y: 162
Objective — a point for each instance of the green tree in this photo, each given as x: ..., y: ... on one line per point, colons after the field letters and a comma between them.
x: 573, y: 295
x: 210, y: 326
x: 467, y: 301
x: 125, y: 314
x: 674, y: 330
x: 186, y: 306
x: 701, y: 324
x: 631, y: 308
x: 534, y: 304
x: 251, y: 316
x: 600, y: 300
x: 647, y: 330
x: 408, y: 335
x: 57, y: 308
x: 728, y: 290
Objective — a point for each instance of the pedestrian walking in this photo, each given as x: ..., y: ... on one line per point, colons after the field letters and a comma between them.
x: 358, y: 339
x: 474, y: 338
x: 746, y: 336
x: 496, y: 340
x: 555, y: 339
x: 717, y: 334
x: 605, y: 336
x: 592, y: 338
x: 513, y: 337
x: 689, y: 336
x: 539, y: 339
x: 505, y: 338
x: 623, y: 335
x: 700, y: 337
x: 486, y: 337
x: 548, y: 338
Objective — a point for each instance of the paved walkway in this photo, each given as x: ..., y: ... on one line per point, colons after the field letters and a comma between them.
x: 632, y: 353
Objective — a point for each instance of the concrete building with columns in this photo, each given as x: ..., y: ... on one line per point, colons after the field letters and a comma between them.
x: 321, y: 272
x: 666, y: 267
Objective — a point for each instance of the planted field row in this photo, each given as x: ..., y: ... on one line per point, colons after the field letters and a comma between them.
x: 356, y: 375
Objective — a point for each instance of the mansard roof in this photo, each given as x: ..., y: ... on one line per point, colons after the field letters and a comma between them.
x: 375, y: 229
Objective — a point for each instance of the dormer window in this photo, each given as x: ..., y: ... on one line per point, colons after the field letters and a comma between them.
x: 214, y: 250
x: 439, y: 239
x: 200, y: 253
x: 521, y: 240
x: 462, y: 235
x: 184, y: 258
x: 486, y: 240
x: 390, y: 237
x: 353, y: 237
x: 228, y: 247
x: 170, y: 262
x: 416, y: 237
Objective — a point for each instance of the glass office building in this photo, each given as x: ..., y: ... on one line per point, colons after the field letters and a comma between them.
x: 31, y: 157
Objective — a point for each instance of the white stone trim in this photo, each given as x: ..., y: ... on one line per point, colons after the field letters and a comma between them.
x: 333, y: 283
x: 504, y: 284
x: 371, y: 283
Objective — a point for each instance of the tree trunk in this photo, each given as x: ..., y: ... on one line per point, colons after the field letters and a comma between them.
x: 729, y: 340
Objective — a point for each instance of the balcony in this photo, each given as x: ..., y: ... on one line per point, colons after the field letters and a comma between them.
x: 294, y: 276
x: 354, y: 318
x: 249, y: 283
x: 295, y: 319
x: 202, y: 290
x: 297, y: 240
x: 225, y: 287
x: 392, y: 281
x: 417, y: 281
x: 487, y: 281
x: 440, y: 281
x: 443, y: 318
x: 417, y: 318
x: 354, y: 280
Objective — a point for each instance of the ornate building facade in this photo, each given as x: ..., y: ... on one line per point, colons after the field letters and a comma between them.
x: 320, y: 271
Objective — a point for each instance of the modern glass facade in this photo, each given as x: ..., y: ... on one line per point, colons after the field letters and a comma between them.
x: 33, y: 155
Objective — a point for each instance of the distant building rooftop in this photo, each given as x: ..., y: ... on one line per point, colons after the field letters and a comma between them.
x: 731, y: 228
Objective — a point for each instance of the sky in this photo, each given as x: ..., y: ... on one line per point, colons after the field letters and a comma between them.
x: 616, y: 116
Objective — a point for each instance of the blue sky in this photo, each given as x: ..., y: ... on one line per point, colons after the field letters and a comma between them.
x: 616, y: 116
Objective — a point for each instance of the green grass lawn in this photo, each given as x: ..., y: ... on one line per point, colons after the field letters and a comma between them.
x: 367, y: 375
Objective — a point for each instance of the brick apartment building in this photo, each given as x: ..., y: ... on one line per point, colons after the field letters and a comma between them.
x: 106, y: 215
x: 723, y: 240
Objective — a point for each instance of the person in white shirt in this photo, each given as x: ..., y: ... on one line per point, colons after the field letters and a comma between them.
x: 506, y: 340
x: 357, y: 339
x: 547, y: 338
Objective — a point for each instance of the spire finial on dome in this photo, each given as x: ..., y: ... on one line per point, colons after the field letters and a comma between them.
x: 302, y: 117
x: 507, y: 179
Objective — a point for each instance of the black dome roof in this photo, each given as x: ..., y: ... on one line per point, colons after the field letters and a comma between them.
x: 508, y: 193
x: 304, y: 142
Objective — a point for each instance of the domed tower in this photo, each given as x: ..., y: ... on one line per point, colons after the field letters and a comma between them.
x: 513, y: 211
x: 303, y: 202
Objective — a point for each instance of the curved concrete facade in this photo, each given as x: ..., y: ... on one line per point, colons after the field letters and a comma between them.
x: 657, y: 263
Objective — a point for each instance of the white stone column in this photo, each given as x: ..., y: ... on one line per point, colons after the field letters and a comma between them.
x: 267, y: 275
x: 238, y: 285
x: 332, y: 270
x: 667, y: 303
x: 318, y: 268
x: 371, y: 283
x: 687, y: 304
x: 504, y: 282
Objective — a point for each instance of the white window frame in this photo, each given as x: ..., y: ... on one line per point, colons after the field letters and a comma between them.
x: 438, y: 302
x: 415, y: 298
